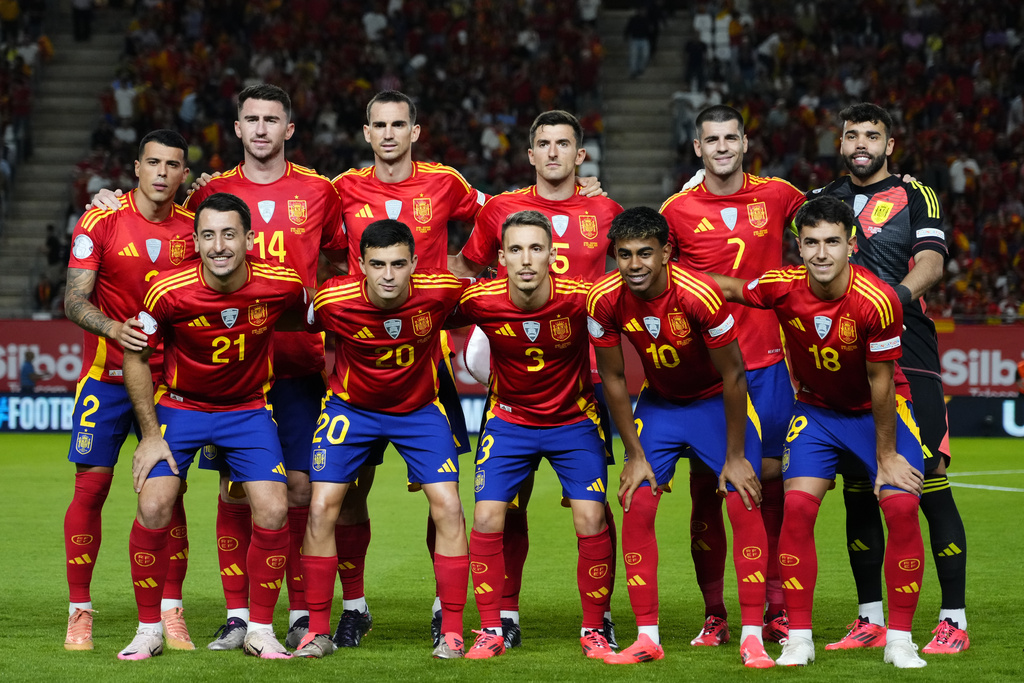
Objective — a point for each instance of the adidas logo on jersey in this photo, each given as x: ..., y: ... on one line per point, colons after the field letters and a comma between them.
x: 201, y: 321
x: 704, y: 226
x: 597, y: 486
x: 505, y: 331
x: 795, y: 322
x: 448, y: 467
x: 364, y: 212
x: 364, y: 334
x: 280, y: 469
x: 130, y: 250
x: 633, y: 326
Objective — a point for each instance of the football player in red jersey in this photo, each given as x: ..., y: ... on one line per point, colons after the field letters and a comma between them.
x: 843, y: 327
x: 734, y: 223
x: 387, y: 323
x: 580, y: 225
x: 114, y: 255
x: 216, y: 318
x: 694, y: 404
x: 541, y: 405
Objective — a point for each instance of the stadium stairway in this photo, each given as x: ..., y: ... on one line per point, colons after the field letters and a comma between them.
x: 66, y: 109
x: 639, y: 149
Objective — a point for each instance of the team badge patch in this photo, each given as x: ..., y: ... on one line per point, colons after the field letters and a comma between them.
x: 209, y: 451
x: 319, y: 459
x: 560, y: 329
x: 679, y: 325
x: 653, y: 325
x: 277, y: 561
x: 588, y: 227
x: 478, y: 481
x: 229, y: 316
x: 881, y: 212
x: 421, y: 210
x: 83, y: 246
x: 393, y: 207
x: 257, y: 314
x: 595, y: 328
x: 144, y: 559
x: 153, y: 249
x: 393, y: 326
x: 83, y: 444
x: 847, y: 330
x: 297, y: 211
x: 859, y: 202
x: 729, y: 215
x: 176, y: 250
x: 822, y: 324
x: 598, y: 571
x: 421, y: 324
x: 148, y: 322
x: 82, y: 539
x: 757, y: 214
x: 560, y: 224
x: 532, y: 329
x: 785, y: 458
x: 266, y: 209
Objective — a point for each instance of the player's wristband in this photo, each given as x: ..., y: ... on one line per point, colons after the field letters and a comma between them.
x: 904, y: 294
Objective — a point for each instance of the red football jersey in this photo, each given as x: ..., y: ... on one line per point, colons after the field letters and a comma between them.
x: 293, y: 217
x: 829, y: 342
x: 386, y: 360
x: 540, y: 359
x: 579, y: 230
x: 690, y: 313
x: 217, y: 346
x: 126, y: 250
x: 739, y: 235
x: 425, y: 201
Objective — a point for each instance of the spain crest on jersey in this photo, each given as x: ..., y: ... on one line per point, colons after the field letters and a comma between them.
x: 257, y: 314
x: 421, y: 324
x: 176, y: 250
x: 881, y: 212
x: 679, y: 325
x: 478, y: 481
x: 847, y: 330
x: 319, y: 459
x: 560, y: 329
x: 421, y: 210
x: 83, y: 444
x: 297, y: 211
x: 757, y: 215
x: 588, y: 227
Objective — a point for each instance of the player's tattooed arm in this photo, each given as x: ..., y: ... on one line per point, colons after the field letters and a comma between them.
x: 893, y: 468
x: 138, y: 382
x: 79, y: 309
x: 737, y: 470
x: 636, y: 469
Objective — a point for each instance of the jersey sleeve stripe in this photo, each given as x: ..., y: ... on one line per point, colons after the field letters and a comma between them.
x: 886, y: 321
x: 880, y: 296
x: 931, y: 201
x: 446, y: 170
x: 160, y: 289
x: 668, y: 201
x: 596, y: 293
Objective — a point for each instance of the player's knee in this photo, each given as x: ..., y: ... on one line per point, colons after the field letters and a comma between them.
x: 154, y: 512
x: 588, y: 517
x: 771, y: 469
x: 299, y: 489
x: 270, y: 512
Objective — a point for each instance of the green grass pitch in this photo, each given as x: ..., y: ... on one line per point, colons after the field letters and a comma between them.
x: 36, y: 485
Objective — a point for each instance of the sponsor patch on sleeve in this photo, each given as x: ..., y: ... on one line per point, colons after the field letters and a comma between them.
x: 83, y: 246
x: 480, y: 197
x: 753, y: 283
x: 723, y: 328
x: 148, y: 322
x: 931, y: 232
x: 885, y: 345
x: 594, y: 327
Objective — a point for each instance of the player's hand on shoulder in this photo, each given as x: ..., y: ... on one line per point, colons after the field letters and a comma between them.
x: 130, y: 335
x: 105, y: 199
x: 590, y: 186
x: 741, y: 475
x: 201, y: 181
x: 907, y: 178
x: 635, y: 472
x: 150, y: 451
x: 897, y: 471
x: 693, y: 182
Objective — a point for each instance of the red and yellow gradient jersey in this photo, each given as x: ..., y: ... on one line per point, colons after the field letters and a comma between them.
x: 293, y: 217
x: 386, y: 360
x: 829, y: 342
x: 672, y: 332
x: 217, y: 347
x: 579, y: 230
x: 425, y: 201
x: 540, y: 359
x: 740, y: 235
x: 127, y: 251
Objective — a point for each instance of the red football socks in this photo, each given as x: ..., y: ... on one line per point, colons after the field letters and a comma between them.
x: 708, y: 542
x: 318, y: 575
x: 750, y: 555
x: 516, y: 548
x: 904, y: 558
x: 177, y: 551
x: 594, y: 577
x: 452, y: 575
x: 640, y: 553
x: 352, y: 541
x: 268, y: 554
x: 798, y: 558
x: 147, y: 549
x: 83, y: 530
x: 488, y: 563
x: 772, y: 503
x: 297, y: 517
x: 234, y: 531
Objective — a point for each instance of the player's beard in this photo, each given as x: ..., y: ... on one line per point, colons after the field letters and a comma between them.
x: 864, y: 171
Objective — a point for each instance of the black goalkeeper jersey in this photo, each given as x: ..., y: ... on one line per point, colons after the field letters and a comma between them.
x: 894, y: 222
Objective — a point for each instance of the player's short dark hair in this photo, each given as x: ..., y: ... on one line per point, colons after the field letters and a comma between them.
x: 386, y: 233
x: 225, y: 202
x: 165, y: 137
x: 392, y: 97
x: 266, y: 93
x: 557, y: 117
x: 639, y: 223
x: 828, y: 209
x: 719, y: 113
x: 529, y: 217
x: 866, y: 111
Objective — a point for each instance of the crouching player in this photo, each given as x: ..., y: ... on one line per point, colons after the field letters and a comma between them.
x: 215, y: 321
x: 541, y: 405
x: 695, y: 394
x: 387, y: 323
x: 843, y: 327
